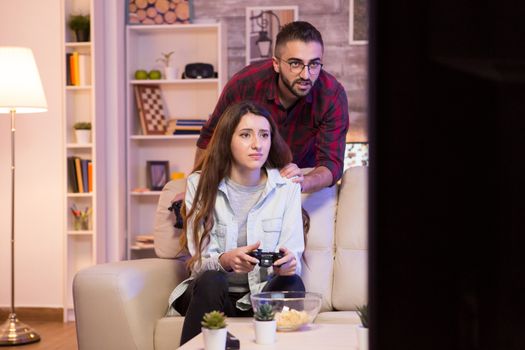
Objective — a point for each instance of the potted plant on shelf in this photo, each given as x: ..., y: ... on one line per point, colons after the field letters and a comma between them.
x: 362, y: 329
x: 80, y: 25
x: 265, y: 324
x: 169, y: 71
x: 82, y: 132
x: 214, y: 330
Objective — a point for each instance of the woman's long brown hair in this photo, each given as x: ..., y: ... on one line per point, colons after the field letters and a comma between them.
x: 216, y: 164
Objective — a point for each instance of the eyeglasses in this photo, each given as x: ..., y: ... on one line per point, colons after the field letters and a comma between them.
x: 298, y: 66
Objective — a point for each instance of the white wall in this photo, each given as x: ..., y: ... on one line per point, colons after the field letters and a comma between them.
x: 39, y: 164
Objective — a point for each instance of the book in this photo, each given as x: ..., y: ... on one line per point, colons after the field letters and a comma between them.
x: 84, y: 164
x: 74, y: 69
x: 84, y: 69
x: 78, y: 170
x: 68, y: 68
x: 72, y: 176
x: 90, y: 176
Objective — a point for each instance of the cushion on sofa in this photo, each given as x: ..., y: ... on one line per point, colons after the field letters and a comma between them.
x: 351, y: 255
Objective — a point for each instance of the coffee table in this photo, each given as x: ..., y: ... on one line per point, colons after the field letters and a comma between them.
x: 315, y: 336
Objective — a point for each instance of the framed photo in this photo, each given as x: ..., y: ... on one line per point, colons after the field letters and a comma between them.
x: 358, y: 30
x: 157, y: 174
x: 150, y: 109
x: 262, y: 26
x: 159, y: 11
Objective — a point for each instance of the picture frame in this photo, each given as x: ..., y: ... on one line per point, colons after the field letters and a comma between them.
x: 262, y: 25
x: 141, y: 12
x: 358, y: 22
x: 157, y: 174
x: 150, y: 109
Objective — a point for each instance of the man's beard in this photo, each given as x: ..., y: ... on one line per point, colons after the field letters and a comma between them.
x: 296, y: 93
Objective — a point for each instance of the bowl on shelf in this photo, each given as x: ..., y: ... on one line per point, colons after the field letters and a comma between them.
x: 293, y: 310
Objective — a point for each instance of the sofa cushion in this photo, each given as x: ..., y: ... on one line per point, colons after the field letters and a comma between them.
x: 338, y: 317
x: 318, y: 268
x: 165, y: 234
x: 351, y: 252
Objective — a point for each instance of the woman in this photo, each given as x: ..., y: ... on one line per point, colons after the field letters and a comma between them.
x: 236, y: 201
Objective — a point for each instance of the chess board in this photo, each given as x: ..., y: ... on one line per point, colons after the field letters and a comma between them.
x: 151, y: 109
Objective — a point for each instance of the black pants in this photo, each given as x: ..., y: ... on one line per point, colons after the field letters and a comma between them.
x: 209, y: 292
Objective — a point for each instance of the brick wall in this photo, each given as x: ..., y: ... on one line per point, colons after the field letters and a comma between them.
x: 347, y: 62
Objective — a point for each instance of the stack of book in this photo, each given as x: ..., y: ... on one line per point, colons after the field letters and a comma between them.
x: 185, y: 126
x: 78, y: 69
x: 80, y: 175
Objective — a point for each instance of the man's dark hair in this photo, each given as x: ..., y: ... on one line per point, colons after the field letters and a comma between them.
x: 298, y: 30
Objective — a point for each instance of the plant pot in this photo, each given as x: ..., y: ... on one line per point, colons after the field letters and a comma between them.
x: 83, y: 136
x: 82, y: 35
x: 214, y: 339
x: 170, y: 73
x: 362, y: 337
x: 265, y: 331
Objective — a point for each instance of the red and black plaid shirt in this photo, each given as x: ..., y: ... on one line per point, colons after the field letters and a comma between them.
x: 315, y: 127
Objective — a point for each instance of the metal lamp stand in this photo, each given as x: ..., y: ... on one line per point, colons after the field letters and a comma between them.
x: 12, y: 331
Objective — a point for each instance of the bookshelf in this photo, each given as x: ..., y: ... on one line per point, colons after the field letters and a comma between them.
x: 181, y: 98
x: 82, y: 102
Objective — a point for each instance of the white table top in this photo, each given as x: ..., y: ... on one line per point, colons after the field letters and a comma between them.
x: 315, y: 336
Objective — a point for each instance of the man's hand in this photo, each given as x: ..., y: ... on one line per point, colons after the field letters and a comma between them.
x: 287, y: 263
x: 292, y: 171
x: 238, y: 260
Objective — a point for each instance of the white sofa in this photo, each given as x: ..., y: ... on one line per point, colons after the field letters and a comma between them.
x: 122, y: 305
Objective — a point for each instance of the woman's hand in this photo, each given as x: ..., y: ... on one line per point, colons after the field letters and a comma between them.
x: 237, y: 260
x: 287, y: 263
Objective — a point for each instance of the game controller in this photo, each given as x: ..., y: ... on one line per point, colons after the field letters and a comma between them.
x: 266, y: 259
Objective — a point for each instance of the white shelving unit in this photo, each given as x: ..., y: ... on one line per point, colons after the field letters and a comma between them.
x: 182, y: 99
x: 83, y: 103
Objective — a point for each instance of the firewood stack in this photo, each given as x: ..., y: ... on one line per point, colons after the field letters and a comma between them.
x: 159, y: 11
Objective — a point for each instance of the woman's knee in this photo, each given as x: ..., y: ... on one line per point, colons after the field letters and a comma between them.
x: 210, y: 283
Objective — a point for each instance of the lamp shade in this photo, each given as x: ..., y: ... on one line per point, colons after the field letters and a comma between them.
x: 20, y: 86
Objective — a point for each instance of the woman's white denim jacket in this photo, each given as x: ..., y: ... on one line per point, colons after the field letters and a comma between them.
x: 275, y: 221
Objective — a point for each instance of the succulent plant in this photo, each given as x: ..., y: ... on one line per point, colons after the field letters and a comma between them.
x: 264, y: 313
x: 82, y: 126
x: 362, y: 312
x: 214, y: 320
x: 78, y: 22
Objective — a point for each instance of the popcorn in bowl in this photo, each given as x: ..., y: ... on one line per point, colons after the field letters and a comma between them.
x: 292, y: 309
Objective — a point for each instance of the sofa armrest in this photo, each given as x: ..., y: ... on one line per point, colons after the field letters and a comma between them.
x: 118, y: 304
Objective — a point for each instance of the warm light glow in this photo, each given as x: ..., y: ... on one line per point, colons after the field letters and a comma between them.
x: 20, y: 86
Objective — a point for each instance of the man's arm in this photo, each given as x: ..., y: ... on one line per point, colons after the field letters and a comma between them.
x: 317, y: 179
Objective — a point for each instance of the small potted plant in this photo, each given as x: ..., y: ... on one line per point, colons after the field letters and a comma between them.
x: 265, y: 324
x: 82, y: 132
x: 362, y: 329
x: 80, y: 25
x: 214, y: 330
x: 169, y: 71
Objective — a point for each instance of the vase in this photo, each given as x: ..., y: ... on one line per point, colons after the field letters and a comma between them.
x: 170, y: 73
x: 83, y: 136
x: 214, y: 339
x: 81, y: 223
x: 265, y: 331
x: 82, y: 35
x: 362, y: 337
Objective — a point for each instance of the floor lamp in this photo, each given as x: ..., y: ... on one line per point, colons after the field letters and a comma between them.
x: 20, y: 92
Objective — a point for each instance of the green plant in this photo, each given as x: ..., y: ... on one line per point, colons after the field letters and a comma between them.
x: 166, y: 57
x: 214, y: 320
x: 82, y: 126
x: 362, y: 312
x: 78, y: 22
x: 264, y: 313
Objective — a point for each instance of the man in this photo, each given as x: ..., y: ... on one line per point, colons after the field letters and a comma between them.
x: 309, y: 105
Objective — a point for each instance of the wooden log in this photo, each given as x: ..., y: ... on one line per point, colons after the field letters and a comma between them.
x: 132, y: 8
x: 151, y: 2
x: 183, y: 11
x: 148, y: 21
x: 151, y: 12
x: 162, y: 6
x: 170, y: 17
x: 141, y: 4
x: 141, y: 14
x: 159, y: 19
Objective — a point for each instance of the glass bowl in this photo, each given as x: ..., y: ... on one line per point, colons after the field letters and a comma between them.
x: 292, y: 309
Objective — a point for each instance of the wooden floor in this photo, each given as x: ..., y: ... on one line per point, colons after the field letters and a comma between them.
x: 54, y: 336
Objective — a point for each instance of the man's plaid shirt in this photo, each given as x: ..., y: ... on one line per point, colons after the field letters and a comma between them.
x: 315, y: 127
